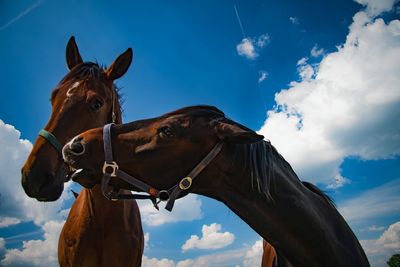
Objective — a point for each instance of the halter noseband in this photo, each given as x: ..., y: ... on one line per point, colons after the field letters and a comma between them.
x: 49, y: 137
x: 111, y: 169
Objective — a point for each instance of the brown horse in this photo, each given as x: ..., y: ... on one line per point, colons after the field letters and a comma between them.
x: 97, y: 232
x: 198, y: 150
x: 269, y: 258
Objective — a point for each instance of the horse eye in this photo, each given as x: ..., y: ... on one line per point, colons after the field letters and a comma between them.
x: 96, y: 105
x: 165, y: 132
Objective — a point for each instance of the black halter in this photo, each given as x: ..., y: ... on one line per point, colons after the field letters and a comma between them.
x: 111, y: 169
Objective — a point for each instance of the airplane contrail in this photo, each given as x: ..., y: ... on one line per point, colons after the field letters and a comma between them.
x: 240, y: 22
x: 20, y: 15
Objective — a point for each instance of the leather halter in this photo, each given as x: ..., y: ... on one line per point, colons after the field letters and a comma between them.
x: 111, y: 169
x: 49, y: 137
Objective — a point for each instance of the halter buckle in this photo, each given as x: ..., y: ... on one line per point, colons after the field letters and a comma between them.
x: 185, y: 183
x: 111, y: 168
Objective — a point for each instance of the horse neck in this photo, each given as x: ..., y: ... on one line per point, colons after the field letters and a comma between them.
x: 300, y: 224
x: 98, y: 203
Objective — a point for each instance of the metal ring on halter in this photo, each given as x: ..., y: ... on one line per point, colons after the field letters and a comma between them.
x: 114, y: 168
x: 163, y: 195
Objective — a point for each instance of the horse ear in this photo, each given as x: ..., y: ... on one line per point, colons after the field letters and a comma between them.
x: 72, y: 54
x: 120, y: 66
x: 230, y: 131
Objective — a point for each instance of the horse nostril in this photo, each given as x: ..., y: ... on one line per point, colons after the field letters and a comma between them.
x: 76, y: 147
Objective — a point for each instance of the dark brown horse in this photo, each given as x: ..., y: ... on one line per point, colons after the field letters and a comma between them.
x: 199, y: 150
x: 97, y: 232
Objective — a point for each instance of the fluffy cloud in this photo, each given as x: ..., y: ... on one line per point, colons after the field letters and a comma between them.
x: 250, y: 47
x: 227, y: 258
x: 316, y: 51
x: 37, y: 252
x: 246, y: 48
x: 211, y: 238
x: 375, y: 7
x: 254, y: 255
x: 381, y: 201
x: 379, y: 250
x: 185, y: 209
x: 250, y: 256
x: 154, y: 262
x: 348, y: 105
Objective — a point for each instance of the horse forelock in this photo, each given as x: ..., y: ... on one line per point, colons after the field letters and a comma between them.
x: 83, y: 71
x: 86, y: 73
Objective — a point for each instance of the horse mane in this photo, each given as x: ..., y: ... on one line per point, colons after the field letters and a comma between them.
x: 262, y: 160
x: 189, y: 109
x: 319, y: 192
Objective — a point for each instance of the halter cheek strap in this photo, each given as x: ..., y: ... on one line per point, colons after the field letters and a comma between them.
x: 48, y: 136
x: 111, y: 169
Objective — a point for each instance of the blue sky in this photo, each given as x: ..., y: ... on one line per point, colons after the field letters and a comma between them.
x: 318, y: 78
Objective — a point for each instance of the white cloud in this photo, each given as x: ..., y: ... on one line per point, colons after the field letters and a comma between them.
x: 154, y: 262
x: 348, y: 105
x: 374, y: 228
x: 250, y: 47
x: 254, y: 255
x: 37, y: 252
x: 294, y: 20
x: 249, y: 256
x: 7, y: 221
x: 146, y: 240
x: 226, y: 258
x: 316, y: 51
x: 211, y: 238
x: 262, y: 40
x: 305, y: 70
x: 376, y: 7
x: 263, y: 76
x: 381, y: 201
x: 246, y: 48
x: 379, y: 250
x: 185, y: 209
x: 338, y: 182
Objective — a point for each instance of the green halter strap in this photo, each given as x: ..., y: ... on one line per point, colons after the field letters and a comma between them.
x: 51, y: 139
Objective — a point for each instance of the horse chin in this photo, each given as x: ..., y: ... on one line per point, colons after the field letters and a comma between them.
x: 84, y: 177
x: 54, y: 194
x: 53, y: 191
